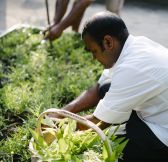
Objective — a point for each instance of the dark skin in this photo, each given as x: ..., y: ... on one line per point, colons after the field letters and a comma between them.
x: 72, y: 19
x: 107, y: 57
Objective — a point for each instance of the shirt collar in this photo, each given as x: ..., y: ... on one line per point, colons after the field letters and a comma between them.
x: 129, y: 40
x: 127, y: 43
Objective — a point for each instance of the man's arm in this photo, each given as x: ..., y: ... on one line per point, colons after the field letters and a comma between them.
x: 86, y: 100
x: 95, y: 120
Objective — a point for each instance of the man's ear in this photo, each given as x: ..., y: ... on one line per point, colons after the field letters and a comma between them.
x: 108, y: 42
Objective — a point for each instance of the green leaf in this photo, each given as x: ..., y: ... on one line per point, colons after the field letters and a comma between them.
x: 105, y: 154
x: 38, y: 139
x: 42, y: 142
x: 76, y: 159
x: 48, y: 121
x: 51, y: 131
x: 67, y: 130
x: 112, y: 158
x: 34, y: 134
x: 63, y: 146
x: 112, y: 132
x: 120, y: 148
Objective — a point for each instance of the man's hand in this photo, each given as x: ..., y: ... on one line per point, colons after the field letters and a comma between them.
x: 92, y: 119
x: 88, y: 117
x: 81, y: 127
x: 99, y: 123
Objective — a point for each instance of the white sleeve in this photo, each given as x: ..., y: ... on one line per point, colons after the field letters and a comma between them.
x: 105, y: 77
x: 129, y: 88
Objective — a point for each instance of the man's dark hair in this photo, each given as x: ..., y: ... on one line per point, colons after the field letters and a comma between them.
x: 106, y: 23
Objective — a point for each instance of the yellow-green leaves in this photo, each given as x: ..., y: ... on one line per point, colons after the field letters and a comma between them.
x: 69, y: 145
x: 63, y: 146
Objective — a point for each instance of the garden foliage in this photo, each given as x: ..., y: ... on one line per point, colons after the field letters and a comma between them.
x: 35, y: 77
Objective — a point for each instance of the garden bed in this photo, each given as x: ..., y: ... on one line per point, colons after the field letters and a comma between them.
x: 35, y: 77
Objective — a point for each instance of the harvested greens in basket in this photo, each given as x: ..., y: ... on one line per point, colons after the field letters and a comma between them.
x: 61, y: 142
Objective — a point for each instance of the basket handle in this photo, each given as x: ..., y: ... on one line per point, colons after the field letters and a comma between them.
x: 81, y: 120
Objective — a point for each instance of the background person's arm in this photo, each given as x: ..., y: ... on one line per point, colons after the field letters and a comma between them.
x: 72, y: 19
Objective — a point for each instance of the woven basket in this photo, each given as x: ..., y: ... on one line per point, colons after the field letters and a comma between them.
x: 76, y: 117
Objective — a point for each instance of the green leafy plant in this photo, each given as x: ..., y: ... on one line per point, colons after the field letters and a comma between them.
x: 34, y: 77
x: 61, y: 142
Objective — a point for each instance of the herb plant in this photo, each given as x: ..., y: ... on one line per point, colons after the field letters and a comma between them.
x: 35, y: 77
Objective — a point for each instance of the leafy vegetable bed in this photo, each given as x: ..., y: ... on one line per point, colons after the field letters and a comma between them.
x: 34, y: 77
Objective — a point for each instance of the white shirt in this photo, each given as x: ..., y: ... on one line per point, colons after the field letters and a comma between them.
x: 139, y: 81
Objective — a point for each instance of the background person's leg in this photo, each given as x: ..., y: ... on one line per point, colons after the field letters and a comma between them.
x: 114, y: 5
x: 84, y: 4
x: 76, y: 23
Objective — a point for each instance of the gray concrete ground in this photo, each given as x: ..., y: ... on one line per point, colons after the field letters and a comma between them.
x: 146, y: 19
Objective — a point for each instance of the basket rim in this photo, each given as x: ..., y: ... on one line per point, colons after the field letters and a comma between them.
x: 73, y: 116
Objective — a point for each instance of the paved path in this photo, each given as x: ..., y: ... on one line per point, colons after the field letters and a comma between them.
x: 141, y: 18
